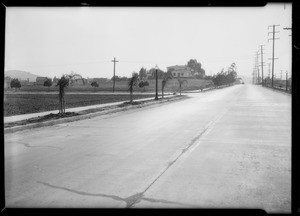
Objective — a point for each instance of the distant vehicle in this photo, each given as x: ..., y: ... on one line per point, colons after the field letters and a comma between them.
x: 243, y: 83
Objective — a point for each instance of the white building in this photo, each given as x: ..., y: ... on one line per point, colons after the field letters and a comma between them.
x: 180, y: 71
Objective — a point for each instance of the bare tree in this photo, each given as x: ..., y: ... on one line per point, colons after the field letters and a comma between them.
x: 62, y: 83
x: 131, y: 83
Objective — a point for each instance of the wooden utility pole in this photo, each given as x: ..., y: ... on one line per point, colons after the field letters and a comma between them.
x: 254, y: 72
x: 262, y: 65
x: 257, y: 65
x: 273, y: 32
x: 114, y: 77
x: 281, y: 74
x: 156, y: 83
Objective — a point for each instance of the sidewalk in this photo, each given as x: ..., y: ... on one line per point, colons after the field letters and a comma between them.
x: 75, y: 109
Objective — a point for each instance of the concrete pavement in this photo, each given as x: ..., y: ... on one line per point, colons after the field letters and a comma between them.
x: 225, y: 148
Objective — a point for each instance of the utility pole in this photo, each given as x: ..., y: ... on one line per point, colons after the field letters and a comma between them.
x: 253, y: 76
x: 255, y: 71
x: 273, y: 32
x: 156, y: 84
x: 262, y: 65
x: 269, y: 64
x: 257, y: 65
x: 114, y: 61
x: 281, y: 74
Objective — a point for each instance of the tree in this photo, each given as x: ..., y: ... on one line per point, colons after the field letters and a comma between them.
x: 232, y: 67
x: 15, y: 83
x: 200, y: 74
x: 167, y: 76
x: 160, y: 73
x: 48, y: 82
x: 143, y: 84
x: 225, y: 77
x: 95, y: 84
x: 143, y: 73
x: 196, y: 67
x: 131, y: 83
x: 170, y: 70
x: 74, y: 77
x: 118, y: 78
x: 62, y: 83
x: 208, y: 77
x: 180, y: 81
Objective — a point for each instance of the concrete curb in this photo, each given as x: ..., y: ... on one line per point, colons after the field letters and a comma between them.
x: 110, y: 110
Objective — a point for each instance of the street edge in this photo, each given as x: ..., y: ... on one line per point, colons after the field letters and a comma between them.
x: 113, y: 109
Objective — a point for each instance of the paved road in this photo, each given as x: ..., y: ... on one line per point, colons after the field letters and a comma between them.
x: 220, y: 149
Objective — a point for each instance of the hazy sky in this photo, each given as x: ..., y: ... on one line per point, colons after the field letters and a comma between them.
x: 53, y: 41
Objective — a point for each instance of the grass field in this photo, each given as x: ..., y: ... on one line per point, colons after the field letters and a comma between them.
x: 17, y: 104
x: 171, y: 86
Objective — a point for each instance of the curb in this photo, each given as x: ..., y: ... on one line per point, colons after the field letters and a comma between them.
x: 110, y: 110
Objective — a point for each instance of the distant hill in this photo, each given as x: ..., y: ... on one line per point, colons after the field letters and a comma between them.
x: 21, y: 75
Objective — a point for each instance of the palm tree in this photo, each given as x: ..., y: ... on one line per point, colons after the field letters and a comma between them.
x: 180, y: 84
x: 164, y: 82
x: 131, y: 83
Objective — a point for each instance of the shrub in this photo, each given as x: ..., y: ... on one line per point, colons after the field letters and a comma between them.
x: 48, y: 82
x: 15, y: 83
x: 95, y: 84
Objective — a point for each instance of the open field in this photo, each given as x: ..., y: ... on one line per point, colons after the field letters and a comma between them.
x: 17, y: 104
x: 171, y: 86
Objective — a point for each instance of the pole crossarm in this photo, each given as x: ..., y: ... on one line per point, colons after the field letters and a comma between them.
x: 272, y: 39
x: 272, y: 26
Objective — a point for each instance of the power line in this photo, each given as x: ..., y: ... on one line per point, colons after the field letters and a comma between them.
x: 273, y: 32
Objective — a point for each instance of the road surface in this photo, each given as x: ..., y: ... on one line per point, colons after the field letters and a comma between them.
x: 227, y: 148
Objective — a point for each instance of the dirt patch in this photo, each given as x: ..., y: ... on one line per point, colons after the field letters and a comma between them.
x: 131, y: 103
x: 48, y: 117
